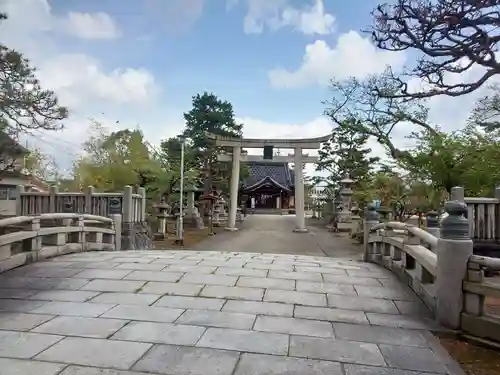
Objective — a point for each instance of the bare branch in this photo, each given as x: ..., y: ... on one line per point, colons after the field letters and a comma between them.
x: 375, y: 111
x: 451, y: 37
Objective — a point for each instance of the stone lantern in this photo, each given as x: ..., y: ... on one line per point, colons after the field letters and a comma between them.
x: 163, y: 212
x: 192, y: 218
x: 345, y: 196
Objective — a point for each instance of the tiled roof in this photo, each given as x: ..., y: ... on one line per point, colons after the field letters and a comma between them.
x: 279, y: 173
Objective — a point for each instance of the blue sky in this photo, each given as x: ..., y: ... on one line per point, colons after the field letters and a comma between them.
x: 212, y: 52
x: 140, y: 62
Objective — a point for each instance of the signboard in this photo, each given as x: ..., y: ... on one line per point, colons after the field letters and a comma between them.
x: 67, y: 206
x: 115, y: 206
x: 268, y: 152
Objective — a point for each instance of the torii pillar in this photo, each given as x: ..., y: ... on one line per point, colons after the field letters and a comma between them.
x: 300, y: 215
x: 235, y: 182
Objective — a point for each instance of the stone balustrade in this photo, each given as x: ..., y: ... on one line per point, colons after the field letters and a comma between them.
x: 478, y: 288
x: 401, y: 248
x: 27, y: 239
x: 439, y: 265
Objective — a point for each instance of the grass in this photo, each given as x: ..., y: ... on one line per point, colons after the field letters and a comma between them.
x: 191, y: 237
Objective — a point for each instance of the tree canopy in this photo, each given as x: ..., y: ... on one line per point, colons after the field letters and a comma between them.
x: 213, y: 115
x: 345, y: 154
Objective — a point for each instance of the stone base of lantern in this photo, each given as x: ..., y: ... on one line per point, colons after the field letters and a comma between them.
x: 231, y: 229
x: 159, y: 236
x: 300, y: 230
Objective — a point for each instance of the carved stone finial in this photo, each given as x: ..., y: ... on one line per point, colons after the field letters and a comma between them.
x: 432, y: 219
x: 455, y: 226
x: 371, y: 213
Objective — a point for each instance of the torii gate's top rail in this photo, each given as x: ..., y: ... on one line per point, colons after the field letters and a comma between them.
x: 304, y: 143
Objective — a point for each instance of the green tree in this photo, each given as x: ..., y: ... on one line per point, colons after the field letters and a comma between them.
x: 486, y: 113
x: 213, y: 115
x: 113, y: 160
x: 346, y: 153
x: 24, y: 105
x: 468, y: 158
x: 40, y: 165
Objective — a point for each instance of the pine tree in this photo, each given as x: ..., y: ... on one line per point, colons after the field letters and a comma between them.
x: 344, y: 154
x: 213, y: 115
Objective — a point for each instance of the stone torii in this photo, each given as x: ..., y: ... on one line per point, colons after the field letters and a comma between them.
x: 297, y: 158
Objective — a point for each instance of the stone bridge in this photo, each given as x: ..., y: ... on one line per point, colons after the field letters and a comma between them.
x: 202, y: 311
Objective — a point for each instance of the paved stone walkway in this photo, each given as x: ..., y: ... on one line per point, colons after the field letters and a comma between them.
x: 212, y: 313
x: 274, y: 234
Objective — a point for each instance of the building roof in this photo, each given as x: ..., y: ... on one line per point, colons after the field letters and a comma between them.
x: 264, y: 173
x: 8, y: 143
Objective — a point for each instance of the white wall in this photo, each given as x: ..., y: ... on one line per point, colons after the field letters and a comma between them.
x: 8, y: 194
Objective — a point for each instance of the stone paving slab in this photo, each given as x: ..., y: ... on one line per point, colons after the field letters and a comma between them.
x: 22, y: 321
x: 200, y: 312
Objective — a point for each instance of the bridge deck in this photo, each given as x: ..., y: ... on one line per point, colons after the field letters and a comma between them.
x: 214, y: 313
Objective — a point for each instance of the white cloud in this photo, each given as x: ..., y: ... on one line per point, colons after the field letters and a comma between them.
x: 32, y: 16
x: 276, y: 14
x: 353, y: 56
x: 90, y: 26
x: 79, y: 80
x: 310, y: 21
x: 86, y: 81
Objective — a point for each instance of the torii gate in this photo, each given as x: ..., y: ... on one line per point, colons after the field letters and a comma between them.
x: 297, y: 158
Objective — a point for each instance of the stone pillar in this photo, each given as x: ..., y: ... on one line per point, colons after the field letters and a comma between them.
x: 453, y: 252
x: 433, y: 224
x: 19, y: 200
x: 190, y: 203
x: 117, y: 225
x: 235, y: 180
x: 370, y: 220
x: 299, y: 193
x: 457, y: 194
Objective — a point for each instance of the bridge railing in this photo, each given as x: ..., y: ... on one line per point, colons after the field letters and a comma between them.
x: 127, y: 203
x: 404, y: 249
x: 27, y: 239
x: 479, y: 317
x: 460, y: 288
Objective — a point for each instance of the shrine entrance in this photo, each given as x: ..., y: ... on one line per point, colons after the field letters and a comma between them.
x: 271, y: 174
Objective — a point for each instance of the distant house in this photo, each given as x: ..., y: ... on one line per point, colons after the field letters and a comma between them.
x: 13, y: 173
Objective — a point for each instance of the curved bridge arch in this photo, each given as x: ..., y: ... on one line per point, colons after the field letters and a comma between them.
x: 27, y: 239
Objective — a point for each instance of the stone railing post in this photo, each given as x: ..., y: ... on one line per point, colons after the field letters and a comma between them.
x: 410, y: 239
x: 89, y: 194
x: 53, y: 192
x: 457, y: 194
x: 128, y: 208
x: 19, y: 200
x: 117, y: 224
x: 453, y: 252
x: 433, y: 223
x: 82, y: 235
x: 371, y: 218
x: 142, y: 192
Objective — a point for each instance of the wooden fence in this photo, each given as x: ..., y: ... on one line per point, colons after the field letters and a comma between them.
x: 483, y: 215
x: 132, y: 206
